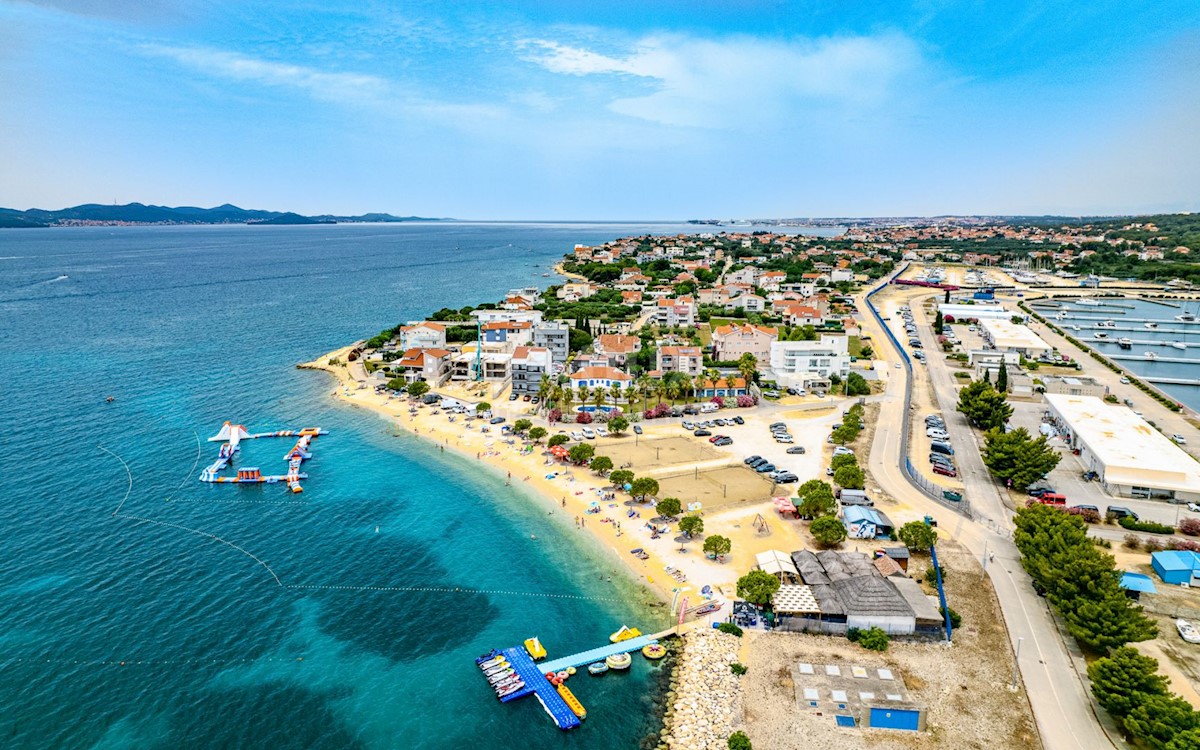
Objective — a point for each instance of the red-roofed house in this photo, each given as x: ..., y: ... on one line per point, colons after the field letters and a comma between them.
x: 600, y: 377
x: 803, y: 315
x: 430, y: 365
x: 727, y: 387
x: 616, y: 348
x: 422, y: 335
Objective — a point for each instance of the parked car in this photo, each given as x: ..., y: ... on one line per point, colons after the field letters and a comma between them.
x: 637, y: 429
x: 715, y: 438
x: 577, y: 435
x: 945, y: 471
x: 589, y: 433
x: 739, y: 420
x: 1039, y: 491
x: 689, y: 424
x: 758, y: 462
x: 1179, y: 439
x: 1124, y: 381
x: 776, y: 425
x: 513, y: 396
x: 936, y: 434
x: 752, y: 459
x: 702, y: 433
x: 602, y: 432
x: 535, y: 399
x: 842, y: 450
x: 724, y: 440
x: 796, y: 450
x: 1119, y: 511
x: 764, y: 468
x: 1091, y: 508
x: 691, y: 410
x: 940, y: 447
x: 786, y: 477
x: 527, y: 397
x: 783, y: 438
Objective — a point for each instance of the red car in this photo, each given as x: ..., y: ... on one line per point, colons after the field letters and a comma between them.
x: 944, y: 470
x: 715, y: 438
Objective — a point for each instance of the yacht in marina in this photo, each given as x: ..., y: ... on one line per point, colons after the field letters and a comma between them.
x: 1186, y: 317
x: 1125, y: 343
x: 1106, y: 324
x: 1179, y: 345
x: 1151, y: 325
x: 1088, y: 301
x: 1150, y: 355
x: 1100, y: 335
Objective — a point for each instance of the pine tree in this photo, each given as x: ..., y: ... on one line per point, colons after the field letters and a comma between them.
x: 1002, y: 378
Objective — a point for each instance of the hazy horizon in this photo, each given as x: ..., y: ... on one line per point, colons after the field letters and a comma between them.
x: 695, y: 110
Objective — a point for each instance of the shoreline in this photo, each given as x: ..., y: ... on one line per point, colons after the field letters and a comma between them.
x: 572, y: 489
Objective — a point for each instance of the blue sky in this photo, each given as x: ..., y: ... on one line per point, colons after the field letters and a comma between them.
x: 603, y: 110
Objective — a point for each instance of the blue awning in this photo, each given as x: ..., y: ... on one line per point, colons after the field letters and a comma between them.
x: 1137, y: 582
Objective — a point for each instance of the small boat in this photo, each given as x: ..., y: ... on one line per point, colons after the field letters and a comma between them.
x: 493, y: 662
x: 1125, y: 343
x: 1186, y: 317
x: 1187, y: 631
x: 1073, y: 328
x: 535, y: 648
x: 497, y: 669
x: 511, y: 689
x: 1107, y: 324
x: 1178, y: 345
x: 619, y: 661
x: 597, y: 668
x: 624, y: 634
x: 488, y: 656
x: 1100, y: 335
x: 654, y: 651
x: 1150, y: 355
x: 1151, y: 325
x: 709, y: 607
x: 1088, y: 301
x: 500, y: 677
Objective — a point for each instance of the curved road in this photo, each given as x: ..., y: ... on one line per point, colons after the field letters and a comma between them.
x: 1061, y: 704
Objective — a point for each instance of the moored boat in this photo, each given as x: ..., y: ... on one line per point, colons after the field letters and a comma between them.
x: 1186, y: 317
x: 1100, y: 335
x: 1187, y: 631
x: 1125, y: 343
x: 1151, y: 325
x: 1179, y: 345
x: 597, y: 668
x: 1150, y: 355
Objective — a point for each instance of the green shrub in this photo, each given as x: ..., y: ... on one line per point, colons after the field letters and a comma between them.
x: 739, y: 741
x: 729, y: 627
x: 1149, y: 527
x: 738, y: 669
x: 931, y: 575
x: 873, y: 639
x: 955, y: 618
x: 853, y: 634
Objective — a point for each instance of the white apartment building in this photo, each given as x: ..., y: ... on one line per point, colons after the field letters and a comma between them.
x: 803, y: 364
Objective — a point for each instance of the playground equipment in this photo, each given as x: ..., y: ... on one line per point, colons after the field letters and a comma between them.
x: 231, y: 435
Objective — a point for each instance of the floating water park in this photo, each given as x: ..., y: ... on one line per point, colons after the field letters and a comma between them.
x: 231, y: 435
x: 513, y: 672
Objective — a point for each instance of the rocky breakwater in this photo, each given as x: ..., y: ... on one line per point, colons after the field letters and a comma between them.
x: 704, y: 705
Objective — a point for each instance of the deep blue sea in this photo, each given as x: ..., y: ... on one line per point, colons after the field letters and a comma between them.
x: 120, y: 633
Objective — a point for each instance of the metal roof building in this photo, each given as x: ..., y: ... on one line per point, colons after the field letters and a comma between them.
x: 1131, y: 458
x: 1007, y: 336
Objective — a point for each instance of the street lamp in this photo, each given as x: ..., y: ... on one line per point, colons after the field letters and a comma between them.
x: 1016, y: 663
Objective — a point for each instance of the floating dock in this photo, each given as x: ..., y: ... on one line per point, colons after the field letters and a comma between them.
x: 231, y: 435
x: 560, y: 703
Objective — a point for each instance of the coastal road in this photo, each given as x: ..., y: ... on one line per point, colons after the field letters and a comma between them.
x: 1060, y: 702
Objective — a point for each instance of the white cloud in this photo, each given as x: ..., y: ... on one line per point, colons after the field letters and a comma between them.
x: 328, y: 86
x: 680, y: 80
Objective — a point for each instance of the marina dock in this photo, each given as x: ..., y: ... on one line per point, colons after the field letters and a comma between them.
x: 584, y: 658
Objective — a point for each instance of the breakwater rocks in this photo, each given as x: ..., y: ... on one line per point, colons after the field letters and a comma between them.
x: 704, y: 704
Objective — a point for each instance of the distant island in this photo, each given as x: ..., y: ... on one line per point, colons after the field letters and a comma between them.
x: 95, y: 214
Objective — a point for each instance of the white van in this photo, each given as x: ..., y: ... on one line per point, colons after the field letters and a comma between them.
x: 709, y: 408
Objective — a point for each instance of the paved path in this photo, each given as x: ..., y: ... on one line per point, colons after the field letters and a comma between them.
x: 1060, y: 702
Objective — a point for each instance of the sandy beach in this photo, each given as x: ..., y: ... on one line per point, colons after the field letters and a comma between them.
x: 733, y: 498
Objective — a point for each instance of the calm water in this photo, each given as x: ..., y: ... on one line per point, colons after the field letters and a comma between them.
x: 120, y: 634
x: 1129, y: 318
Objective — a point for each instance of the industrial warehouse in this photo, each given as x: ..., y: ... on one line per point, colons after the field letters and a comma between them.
x: 1130, y: 458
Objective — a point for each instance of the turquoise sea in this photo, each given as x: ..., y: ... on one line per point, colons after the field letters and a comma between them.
x: 125, y: 633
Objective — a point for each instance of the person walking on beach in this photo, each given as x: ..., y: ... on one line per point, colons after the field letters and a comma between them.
x: 564, y: 502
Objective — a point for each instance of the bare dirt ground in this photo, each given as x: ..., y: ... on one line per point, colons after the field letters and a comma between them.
x: 965, y: 687
x: 717, y: 488
x: 656, y: 452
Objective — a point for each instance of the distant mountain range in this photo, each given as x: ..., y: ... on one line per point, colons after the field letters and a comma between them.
x: 138, y: 213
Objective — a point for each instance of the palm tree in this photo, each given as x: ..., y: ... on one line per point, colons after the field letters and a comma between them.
x: 598, y: 396
x: 673, y: 391
x: 556, y: 394
x: 688, y: 386
x: 615, y: 392
x: 747, y: 366
x: 567, y: 397
x: 645, y: 390
x: 543, y: 391
x: 583, y: 393
x: 660, y: 390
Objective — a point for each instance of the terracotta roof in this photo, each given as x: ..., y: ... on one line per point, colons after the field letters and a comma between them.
x: 506, y: 325
x: 426, y: 324
x: 615, y: 343
x: 681, y: 351
x: 746, y: 328
x: 597, y: 372
x: 721, y: 383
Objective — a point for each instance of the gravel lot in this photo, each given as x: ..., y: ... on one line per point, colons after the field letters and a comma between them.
x: 965, y: 687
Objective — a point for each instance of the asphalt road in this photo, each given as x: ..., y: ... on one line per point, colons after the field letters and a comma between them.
x: 1061, y: 704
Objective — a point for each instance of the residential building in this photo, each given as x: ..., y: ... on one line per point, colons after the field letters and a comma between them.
x: 1072, y: 385
x: 688, y: 360
x: 493, y: 359
x: 528, y: 365
x: 726, y: 387
x: 809, y: 364
x: 554, y: 335
x: 803, y: 315
x: 747, y: 275
x: 730, y: 342
x: 422, y: 335
x: 600, y: 377
x: 431, y: 365
x: 574, y: 291
x: 511, y: 332
x: 491, y: 316
x: 617, y: 348
x: 751, y: 303
x: 680, y: 311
